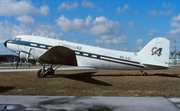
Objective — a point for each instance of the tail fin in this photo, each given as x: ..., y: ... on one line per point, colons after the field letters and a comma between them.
x: 156, y: 52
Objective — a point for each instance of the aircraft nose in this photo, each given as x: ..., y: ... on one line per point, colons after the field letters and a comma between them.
x: 5, y: 43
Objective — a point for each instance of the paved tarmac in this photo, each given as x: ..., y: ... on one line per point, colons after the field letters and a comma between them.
x: 97, y: 103
x: 36, y: 68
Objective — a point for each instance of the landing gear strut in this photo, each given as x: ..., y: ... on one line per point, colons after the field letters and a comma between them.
x: 143, y: 72
x: 43, y: 72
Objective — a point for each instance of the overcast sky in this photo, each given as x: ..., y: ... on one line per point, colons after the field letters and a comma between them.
x: 116, y: 24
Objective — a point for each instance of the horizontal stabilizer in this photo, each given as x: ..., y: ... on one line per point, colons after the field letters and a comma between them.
x: 155, y: 66
x: 59, y: 55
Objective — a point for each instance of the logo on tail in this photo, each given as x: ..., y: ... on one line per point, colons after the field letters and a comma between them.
x: 156, y: 51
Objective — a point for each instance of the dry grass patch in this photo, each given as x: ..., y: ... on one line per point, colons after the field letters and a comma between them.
x: 95, y: 82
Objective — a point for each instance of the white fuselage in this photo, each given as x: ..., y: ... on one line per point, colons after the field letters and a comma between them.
x: 88, y: 56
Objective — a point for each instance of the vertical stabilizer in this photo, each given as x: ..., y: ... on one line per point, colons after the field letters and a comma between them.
x: 156, y: 52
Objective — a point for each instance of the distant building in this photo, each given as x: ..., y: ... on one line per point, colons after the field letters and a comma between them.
x: 8, y: 58
x: 174, y: 61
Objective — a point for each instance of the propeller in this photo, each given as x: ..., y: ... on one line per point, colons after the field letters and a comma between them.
x: 18, y: 60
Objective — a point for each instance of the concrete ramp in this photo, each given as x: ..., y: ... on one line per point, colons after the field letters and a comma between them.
x: 94, y: 103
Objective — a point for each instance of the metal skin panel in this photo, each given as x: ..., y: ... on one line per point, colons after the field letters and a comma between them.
x: 68, y: 53
x: 59, y: 55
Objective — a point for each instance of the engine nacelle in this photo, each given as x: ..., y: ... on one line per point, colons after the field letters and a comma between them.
x: 30, y: 55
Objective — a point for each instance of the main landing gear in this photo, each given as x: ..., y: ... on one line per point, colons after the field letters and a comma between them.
x: 143, y: 72
x: 43, y: 72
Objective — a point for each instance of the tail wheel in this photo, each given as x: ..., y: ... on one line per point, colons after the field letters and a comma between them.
x: 144, y: 73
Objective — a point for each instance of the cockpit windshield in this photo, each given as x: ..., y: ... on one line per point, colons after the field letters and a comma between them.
x: 17, y: 39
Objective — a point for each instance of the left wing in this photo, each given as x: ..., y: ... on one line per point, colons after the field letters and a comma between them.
x: 59, y: 55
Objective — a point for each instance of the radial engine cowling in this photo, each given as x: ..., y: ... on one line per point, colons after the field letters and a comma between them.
x: 30, y: 55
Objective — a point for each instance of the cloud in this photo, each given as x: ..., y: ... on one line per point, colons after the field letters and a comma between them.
x: 25, y: 19
x: 175, y: 31
x: 131, y: 24
x: 99, y: 10
x: 67, y: 6
x: 34, y: 28
x: 152, y: 32
x: 154, y: 13
x: 139, y: 42
x: 103, y: 26
x: 121, y: 10
x: 166, y: 5
x: 138, y: 48
x: 5, y: 30
x: 88, y: 21
x: 138, y: 45
x: 115, y: 40
x: 175, y: 22
x: 27, y: 26
x: 88, y: 4
x: 17, y: 8
x: 71, y: 25
x: 108, y: 30
x: 64, y: 23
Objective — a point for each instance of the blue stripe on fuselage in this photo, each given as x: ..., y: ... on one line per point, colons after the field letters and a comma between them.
x: 30, y: 44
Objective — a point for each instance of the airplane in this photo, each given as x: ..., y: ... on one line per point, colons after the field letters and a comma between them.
x: 45, y: 50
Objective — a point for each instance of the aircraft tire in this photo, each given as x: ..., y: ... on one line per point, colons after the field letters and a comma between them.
x: 50, y: 71
x: 40, y: 75
x: 144, y: 74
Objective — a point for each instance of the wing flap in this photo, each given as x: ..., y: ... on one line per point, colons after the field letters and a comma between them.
x: 59, y: 55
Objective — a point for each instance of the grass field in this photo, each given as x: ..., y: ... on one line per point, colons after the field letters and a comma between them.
x: 96, y: 82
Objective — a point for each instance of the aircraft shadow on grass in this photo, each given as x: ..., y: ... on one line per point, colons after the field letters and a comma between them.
x: 167, y: 75
x: 87, y: 77
x: 156, y: 74
x: 84, y: 77
x: 4, y: 89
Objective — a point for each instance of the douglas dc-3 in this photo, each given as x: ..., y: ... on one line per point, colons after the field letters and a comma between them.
x: 155, y: 55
